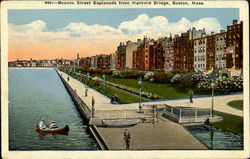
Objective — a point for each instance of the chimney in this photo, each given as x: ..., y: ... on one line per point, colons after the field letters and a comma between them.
x: 203, y: 31
x: 222, y: 31
x: 212, y: 32
x: 234, y: 21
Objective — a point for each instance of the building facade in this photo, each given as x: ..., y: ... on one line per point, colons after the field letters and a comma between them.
x: 220, y: 48
x: 234, y: 44
x: 121, y: 56
x: 103, y: 61
x: 157, y: 55
x: 200, y: 54
x: 130, y: 47
x: 183, y: 52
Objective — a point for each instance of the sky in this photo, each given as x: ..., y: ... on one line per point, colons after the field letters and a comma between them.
x: 62, y: 33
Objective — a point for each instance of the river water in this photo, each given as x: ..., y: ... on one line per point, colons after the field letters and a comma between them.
x: 216, y: 139
x: 39, y: 93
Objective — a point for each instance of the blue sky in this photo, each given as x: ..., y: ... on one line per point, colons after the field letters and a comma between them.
x: 59, y: 18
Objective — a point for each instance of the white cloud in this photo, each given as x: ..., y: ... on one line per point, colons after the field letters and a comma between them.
x: 160, y: 24
x: 37, y: 25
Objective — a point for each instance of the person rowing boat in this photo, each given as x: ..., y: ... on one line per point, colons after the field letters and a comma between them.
x: 52, y: 125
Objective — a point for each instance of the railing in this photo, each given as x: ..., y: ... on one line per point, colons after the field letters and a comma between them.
x: 181, y: 111
x: 124, y: 114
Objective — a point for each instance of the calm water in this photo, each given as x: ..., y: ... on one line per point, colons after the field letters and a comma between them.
x: 36, y: 94
x: 216, y: 139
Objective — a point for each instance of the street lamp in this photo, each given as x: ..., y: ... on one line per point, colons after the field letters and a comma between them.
x: 140, y: 86
x: 88, y: 77
x: 212, y: 105
x: 104, y: 82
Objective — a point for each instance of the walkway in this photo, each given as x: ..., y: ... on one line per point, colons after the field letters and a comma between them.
x: 156, y: 136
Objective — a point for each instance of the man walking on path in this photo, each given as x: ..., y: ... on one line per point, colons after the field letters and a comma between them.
x: 127, y: 138
x: 191, y: 96
x: 93, y: 107
x: 86, y: 92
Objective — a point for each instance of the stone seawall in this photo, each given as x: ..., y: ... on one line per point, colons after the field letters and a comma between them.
x: 81, y: 106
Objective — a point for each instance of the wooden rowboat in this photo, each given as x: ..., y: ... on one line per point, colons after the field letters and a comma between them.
x: 59, y: 131
x: 120, y: 122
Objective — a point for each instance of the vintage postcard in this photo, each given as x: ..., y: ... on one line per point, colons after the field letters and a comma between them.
x: 124, y: 79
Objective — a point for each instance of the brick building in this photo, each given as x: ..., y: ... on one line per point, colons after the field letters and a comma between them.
x: 157, y: 55
x: 121, y: 56
x: 210, y: 52
x: 85, y: 63
x: 169, y: 54
x: 103, y: 61
x: 141, y: 56
x: 234, y: 44
x: 183, y: 52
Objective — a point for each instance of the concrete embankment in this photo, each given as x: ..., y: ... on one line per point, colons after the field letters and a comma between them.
x: 164, y: 134
x: 84, y: 109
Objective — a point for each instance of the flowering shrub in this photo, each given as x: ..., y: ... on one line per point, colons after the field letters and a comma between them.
x: 117, y: 73
x: 148, y: 76
x: 176, y: 78
x: 199, y: 77
x: 223, y: 85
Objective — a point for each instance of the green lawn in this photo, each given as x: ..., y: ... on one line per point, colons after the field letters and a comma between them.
x: 164, y: 90
x: 230, y: 123
x: 123, y: 96
x: 236, y: 104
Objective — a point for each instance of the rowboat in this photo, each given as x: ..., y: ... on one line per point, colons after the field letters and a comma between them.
x: 120, y: 122
x: 59, y: 131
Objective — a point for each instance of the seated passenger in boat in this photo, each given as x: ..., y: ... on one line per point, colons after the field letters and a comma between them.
x: 52, y: 125
x: 42, y: 125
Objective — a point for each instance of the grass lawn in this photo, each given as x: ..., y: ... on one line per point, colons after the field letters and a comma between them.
x: 123, y: 96
x: 164, y: 90
x: 236, y: 104
x: 231, y: 123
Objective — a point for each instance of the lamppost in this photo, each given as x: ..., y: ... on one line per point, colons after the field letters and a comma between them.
x: 140, y: 86
x: 88, y: 77
x: 212, y: 105
x: 104, y: 82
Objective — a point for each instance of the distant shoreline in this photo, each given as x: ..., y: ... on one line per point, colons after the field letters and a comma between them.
x: 31, y: 67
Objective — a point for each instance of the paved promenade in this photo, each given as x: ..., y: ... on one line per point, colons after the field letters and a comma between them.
x: 164, y: 134
x: 103, y: 103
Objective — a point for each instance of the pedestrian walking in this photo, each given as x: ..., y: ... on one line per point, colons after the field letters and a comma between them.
x: 191, y: 96
x: 68, y: 78
x: 93, y: 107
x: 127, y: 138
x: 86, y: 92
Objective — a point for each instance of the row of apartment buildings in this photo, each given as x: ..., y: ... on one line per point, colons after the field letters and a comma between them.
x: 191, y: 51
